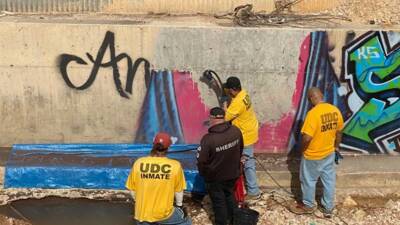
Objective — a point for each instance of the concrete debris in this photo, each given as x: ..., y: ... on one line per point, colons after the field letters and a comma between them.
x: 14, y: 194
x: 370, y: 12
x: 390, y: 204
x: 12, y: 221
x: 349, y: 202
x: 244, y: 15
x: 359, y: 215
x: 383, y: 12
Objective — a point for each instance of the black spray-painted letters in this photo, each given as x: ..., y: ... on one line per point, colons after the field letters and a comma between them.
x: 65, y: 59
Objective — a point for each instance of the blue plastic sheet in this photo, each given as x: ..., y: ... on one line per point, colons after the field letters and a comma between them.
x: 91, y: 166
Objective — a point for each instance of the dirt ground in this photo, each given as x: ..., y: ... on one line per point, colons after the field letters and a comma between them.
x: 357, y: 210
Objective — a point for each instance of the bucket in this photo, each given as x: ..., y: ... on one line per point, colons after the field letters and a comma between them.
x: 245, y: 216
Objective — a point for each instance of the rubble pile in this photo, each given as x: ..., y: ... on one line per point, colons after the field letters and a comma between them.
x: 384, y: 12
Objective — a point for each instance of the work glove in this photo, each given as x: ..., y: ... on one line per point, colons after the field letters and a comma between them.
x: 338, y: 157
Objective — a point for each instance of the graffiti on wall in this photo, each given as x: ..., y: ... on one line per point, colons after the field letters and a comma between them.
x: 108, y: 43
x: 371, y: 65
x: 366, y: 88
x: 172, y: 104
x: 367, y: 91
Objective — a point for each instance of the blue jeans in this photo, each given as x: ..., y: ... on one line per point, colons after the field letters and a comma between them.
x: 250, y: 171
x: 310, y: 171
x: 177, y: 218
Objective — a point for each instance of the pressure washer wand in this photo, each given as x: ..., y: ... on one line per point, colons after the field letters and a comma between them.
x: 212, y: 77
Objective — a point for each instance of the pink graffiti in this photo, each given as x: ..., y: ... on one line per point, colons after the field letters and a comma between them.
x: 274, y: 136
x: 192, y: 111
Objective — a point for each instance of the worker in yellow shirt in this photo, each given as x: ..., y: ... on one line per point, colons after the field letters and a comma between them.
x: 241, y: 113
x: 321, y: 136
x: 154, y: 182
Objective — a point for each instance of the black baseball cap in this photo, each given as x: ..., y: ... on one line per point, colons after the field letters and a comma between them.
x: 217, y: 113
x: 232, y: 83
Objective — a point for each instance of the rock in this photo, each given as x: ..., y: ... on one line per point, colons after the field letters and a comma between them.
x: 349, y: 202
x: 359, y: 215
x: 390, y: 204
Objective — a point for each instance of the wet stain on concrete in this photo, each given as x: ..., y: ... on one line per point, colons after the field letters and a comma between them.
x: 64, y: 211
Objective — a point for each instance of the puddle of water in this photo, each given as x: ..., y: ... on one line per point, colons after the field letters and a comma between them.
x: 63, y: 211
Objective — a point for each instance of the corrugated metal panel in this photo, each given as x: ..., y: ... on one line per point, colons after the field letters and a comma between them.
x: 155, y: 6
x: 46, y: 6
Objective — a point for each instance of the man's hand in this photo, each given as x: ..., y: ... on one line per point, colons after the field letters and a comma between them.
x: 184, y: 210
x: 243, y: 159
x: 225, y: 105
x: 338, y: 157
x: 305, y: 142
x: 224, y: 99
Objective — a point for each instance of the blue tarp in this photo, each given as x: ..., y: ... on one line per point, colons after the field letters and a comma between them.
x: 91, y: 166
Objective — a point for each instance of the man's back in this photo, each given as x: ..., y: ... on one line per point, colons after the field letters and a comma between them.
x: 220, y: 153
x: 155, y: 180
x: 242, y: 115
x: 321, y: 123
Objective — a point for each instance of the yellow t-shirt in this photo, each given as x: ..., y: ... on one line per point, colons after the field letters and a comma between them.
x: 155, y: 181
x: 242, y: 115
x: 321, y: 124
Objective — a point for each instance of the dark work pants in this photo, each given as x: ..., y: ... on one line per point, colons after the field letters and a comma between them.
x: 223, y: 200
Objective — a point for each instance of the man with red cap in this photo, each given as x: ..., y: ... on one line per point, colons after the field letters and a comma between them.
x: 154, y: 181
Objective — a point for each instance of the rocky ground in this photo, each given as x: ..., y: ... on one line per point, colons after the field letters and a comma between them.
x: 352, y: 210
x: 381, y: 12
x: 4, y: 220
x: 360, y: 210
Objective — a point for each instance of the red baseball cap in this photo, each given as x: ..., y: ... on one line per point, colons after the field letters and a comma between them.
x: 164, y: 139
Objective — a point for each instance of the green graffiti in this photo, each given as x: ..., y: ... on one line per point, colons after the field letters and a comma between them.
x: 374, y: 74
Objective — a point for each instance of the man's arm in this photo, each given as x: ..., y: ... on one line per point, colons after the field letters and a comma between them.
x: 179, y: 199
x: 225, y: 105
x: 241, y: 144
x: 305, y: 142
x: 133, y: 194
x: 233, y: 110
x: 338, y: 139
x: 202, y: 157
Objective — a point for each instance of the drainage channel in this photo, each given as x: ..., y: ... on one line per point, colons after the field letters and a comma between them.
x: 64, y: 211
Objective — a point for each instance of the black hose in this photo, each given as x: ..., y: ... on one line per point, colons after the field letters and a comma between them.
x: 273, y: 179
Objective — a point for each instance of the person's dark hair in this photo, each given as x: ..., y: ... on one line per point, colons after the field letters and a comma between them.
x: 233, y: 83
x: 158, y: 148
x: 217, y: 113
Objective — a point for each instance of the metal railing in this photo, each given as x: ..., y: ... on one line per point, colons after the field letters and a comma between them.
x: 53, y: 6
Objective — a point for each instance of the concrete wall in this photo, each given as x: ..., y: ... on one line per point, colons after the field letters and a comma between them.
x: 77, y: 83
x: 152, y: 6
x: 38, y: 106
